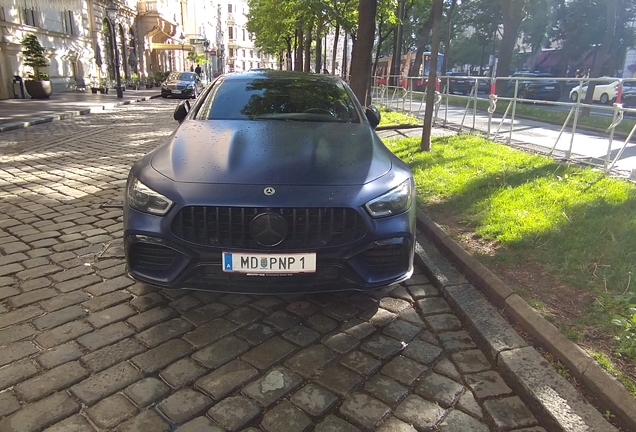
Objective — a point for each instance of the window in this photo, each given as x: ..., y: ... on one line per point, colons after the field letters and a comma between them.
x: 243, y: 34
x: 258, y: 54
x: 29, y: 17
x: 243, y: 53
x: 279, y: 98
x: 68, y: 21
x: 229, y: 8
x: 2, y: 14
x: 251, y: 54
x: 230, y: 33
x: 251, y: 65
x: 243, y: 65
x: 231, y: 52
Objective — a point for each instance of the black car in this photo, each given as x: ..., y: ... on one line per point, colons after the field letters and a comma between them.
x: 458, y: 83
x: 274, y: 182
x: 181, y: 84
x: 542, y: 88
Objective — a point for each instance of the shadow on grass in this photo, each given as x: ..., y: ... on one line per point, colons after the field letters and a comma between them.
x: 578, y: 223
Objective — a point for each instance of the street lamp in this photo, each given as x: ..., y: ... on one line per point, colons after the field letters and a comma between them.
x: 111, y: 17
x: 182, y: 38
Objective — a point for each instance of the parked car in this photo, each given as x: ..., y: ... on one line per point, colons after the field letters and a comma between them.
x: 545, y: 88
x: 461, y: 84
x: 181, y: 84
x: 603, y: 93
x: 274, y: 182
x: 628, y: 98
x: 421, y: 84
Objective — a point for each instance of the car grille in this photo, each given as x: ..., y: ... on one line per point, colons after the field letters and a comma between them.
x: 388, y: 258
x: 148, y: 256
x: 306, y: 227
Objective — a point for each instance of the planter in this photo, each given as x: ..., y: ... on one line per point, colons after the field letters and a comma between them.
x: 38, y: 89
x: 103, y: 90
x: 94, y: 90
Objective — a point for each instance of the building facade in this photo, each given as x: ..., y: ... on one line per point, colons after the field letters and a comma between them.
x: 146, y: 39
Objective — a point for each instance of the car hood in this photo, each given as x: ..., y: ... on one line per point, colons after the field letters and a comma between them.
x: 273, y: 152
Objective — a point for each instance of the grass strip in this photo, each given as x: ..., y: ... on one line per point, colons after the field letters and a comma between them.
x: 576, y: 222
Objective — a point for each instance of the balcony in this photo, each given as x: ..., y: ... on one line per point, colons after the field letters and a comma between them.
x: 159, y: 7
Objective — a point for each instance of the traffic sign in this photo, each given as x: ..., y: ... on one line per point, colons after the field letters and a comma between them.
x: 197, y: 41
x: 212, y: 52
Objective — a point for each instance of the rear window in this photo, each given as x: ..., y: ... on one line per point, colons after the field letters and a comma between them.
x: 279, y: 99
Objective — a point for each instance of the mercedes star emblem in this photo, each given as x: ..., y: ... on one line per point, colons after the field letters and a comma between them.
x: 269, y: 191
x: 268, y: 229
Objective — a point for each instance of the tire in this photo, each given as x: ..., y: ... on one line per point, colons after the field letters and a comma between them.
x: 604, y: 99
x: 574, y: 97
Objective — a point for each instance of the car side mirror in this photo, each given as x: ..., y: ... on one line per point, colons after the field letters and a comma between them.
x: 181, y: 111
x: 373, y: 115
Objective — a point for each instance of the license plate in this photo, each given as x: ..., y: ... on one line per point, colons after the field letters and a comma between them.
x: 176, y: 91
x: 549, y: 88
x: 269, y: 263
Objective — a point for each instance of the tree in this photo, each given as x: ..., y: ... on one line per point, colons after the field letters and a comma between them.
x: 610, y: 32
x: 425, y: 145
x: 34, y: 55
x: 362, y: 47
x: 513, y: 12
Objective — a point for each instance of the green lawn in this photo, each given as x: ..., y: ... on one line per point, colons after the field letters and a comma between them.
x: 576, y: 223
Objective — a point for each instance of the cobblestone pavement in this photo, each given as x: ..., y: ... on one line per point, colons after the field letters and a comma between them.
x: 84, y: 348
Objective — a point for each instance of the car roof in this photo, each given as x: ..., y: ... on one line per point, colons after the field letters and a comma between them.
x: 281, y: 75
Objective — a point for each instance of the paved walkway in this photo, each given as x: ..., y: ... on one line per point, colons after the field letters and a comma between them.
x: 84, y: 348
x: 18, y: 113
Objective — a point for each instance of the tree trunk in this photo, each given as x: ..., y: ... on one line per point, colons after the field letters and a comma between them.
x: 335, y: 50
x: 449, y: 30
x: 513, y: 14
x: 362, y: 49
x: 421, y: 45
x: 344, y: 57
x: 319, y: 48
x: 298, y: 61
x: 601, y: 53
x: 425, y: 145
x: 288, y: 55
x: 307, y: 42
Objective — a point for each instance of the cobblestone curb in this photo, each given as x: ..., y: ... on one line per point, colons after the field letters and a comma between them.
x: 523, y: 366
x: 69, y: 114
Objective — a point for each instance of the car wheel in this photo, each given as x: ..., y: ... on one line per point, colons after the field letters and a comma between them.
x: 604, y: 98
x: 574, y: 97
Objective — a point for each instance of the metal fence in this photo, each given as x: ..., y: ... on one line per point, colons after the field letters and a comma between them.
x: 478, y: 114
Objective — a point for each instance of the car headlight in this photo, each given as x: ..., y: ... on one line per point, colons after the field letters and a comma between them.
x: 397, y: 200
x: 189, y: 87
x: 144, y: 199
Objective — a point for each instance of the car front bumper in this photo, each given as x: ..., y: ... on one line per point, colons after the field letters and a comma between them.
x: 188, y: 92
x: 155, y: 255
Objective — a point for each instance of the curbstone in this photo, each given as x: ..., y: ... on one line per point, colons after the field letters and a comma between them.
x: 606, y: 390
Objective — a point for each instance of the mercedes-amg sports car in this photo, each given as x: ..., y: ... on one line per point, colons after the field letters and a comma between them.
x: 274, y: 182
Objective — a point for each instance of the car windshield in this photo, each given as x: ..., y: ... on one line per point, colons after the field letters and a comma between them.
x: 181, y: 76
x: 279, y: 99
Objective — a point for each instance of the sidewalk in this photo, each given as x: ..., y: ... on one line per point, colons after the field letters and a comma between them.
x: 20, y: 113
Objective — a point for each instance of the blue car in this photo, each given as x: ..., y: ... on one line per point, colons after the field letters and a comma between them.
x: 274, y: 182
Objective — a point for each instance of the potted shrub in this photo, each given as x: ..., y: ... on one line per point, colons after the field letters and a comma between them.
x: 159, y: 78
x: 134, y: 81
x: 39, y: 86
x: 150, y: 82
x: 103, y: 86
